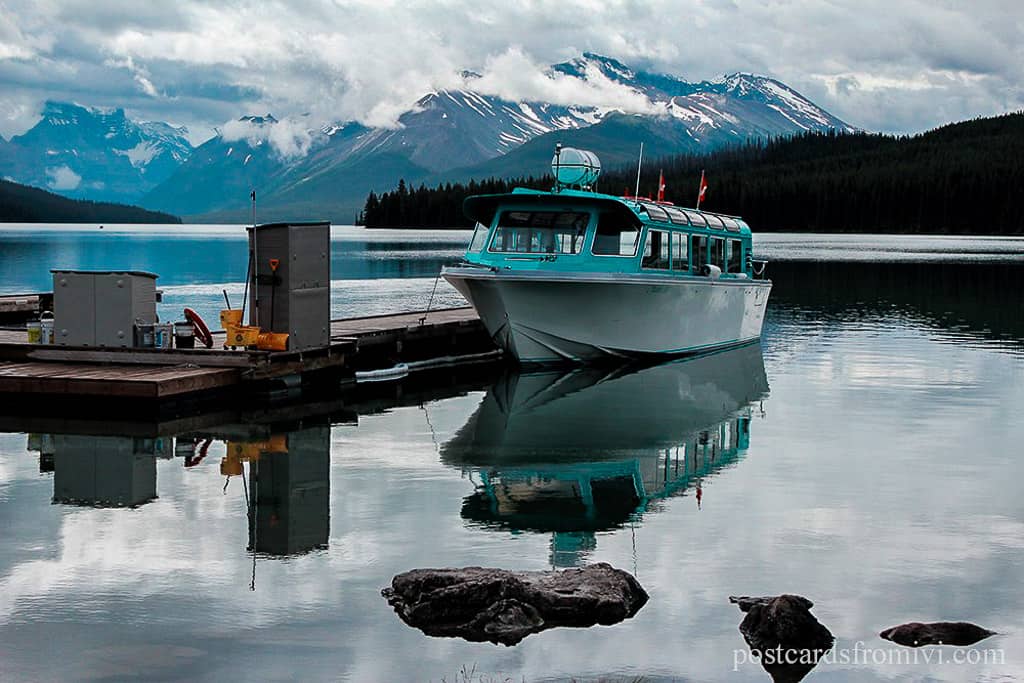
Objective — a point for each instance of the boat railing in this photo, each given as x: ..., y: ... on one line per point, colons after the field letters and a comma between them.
x: 759, y: 268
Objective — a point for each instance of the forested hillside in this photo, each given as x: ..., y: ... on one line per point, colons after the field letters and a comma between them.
x: 23, y: 204
x: 961, y: 178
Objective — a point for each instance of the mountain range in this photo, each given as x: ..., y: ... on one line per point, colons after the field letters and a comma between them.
x: 301, y: 172
x: 88, y: 153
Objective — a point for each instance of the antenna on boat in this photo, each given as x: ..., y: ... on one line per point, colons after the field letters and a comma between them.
x: 558, y: 165
x: 639, y: 164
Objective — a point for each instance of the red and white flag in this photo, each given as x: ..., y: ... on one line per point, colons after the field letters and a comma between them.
x: 661, y: 186
x: 703, y: 189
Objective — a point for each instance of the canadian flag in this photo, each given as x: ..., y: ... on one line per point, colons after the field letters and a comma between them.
x: 661, y: 186
x: 703, y: 189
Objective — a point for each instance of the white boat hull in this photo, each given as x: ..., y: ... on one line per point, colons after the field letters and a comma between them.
x: 546, y: 317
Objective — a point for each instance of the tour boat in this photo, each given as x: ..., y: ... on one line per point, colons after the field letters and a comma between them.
x: 576, y: 275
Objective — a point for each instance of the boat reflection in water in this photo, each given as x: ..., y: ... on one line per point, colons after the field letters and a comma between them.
x: 285, y: 475
x: 584, y: 451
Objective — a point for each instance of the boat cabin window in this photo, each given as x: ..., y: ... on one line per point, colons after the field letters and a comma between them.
x: 730, y: 224
x: 697, y: 219
x: 540, y: 232
x: 479, y: 237
x: 656, y: 250
x: 735, y: 264
x: 699, y: 249
x: 714, y: 222
x: 680, y: 261
x: 718, y: 252
x: 676, y: 216
x: 612, y: 238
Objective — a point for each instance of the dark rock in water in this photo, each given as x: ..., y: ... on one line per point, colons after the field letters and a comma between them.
x: 501, y: 606
x: 916, y: 634
x: 783, y: 634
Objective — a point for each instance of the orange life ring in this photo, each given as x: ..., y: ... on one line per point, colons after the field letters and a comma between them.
x: 201, y: 330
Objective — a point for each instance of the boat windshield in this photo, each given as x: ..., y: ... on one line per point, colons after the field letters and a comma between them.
x: 479, y: 237
x: 540, y: 232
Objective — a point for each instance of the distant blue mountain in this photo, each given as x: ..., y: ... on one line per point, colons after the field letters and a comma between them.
x: 94, y: 154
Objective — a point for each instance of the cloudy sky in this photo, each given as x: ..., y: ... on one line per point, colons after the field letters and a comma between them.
x: 894, y: 65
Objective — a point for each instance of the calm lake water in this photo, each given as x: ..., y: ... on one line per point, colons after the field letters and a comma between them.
x: 866, y: 455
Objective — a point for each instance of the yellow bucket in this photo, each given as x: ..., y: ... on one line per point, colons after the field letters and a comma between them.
x: 230, y: 317
x: 242, y: 335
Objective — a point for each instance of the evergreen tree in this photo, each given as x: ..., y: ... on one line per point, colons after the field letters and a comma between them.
x: 961, y: 178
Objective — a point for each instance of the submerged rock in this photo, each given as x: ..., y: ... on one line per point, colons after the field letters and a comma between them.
x: 916, y: 634
x: 783, y: 634
x: 500, y: 606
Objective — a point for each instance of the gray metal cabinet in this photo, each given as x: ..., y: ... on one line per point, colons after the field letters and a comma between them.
x: 100, y: 308
x: 296, y: 297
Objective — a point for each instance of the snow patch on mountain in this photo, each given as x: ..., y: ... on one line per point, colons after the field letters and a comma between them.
x: 140, y: 155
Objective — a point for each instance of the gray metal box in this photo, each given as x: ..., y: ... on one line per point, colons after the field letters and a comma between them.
x: 100, y: 308
x: 296, y: 297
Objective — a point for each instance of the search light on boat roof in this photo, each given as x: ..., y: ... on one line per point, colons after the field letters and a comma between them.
x: 575, y: 167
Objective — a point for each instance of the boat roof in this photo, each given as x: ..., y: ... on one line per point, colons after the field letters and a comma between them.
x: 482, y: 208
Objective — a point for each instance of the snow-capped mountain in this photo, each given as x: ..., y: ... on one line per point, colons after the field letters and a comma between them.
x: 458, y: 134
x: 451, y: 128
x: 739, y: 105
x: 94, y: 154
x: 300, y: 170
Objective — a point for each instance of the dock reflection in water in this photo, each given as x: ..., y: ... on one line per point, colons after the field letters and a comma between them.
x: 573, y: 453
x: 100, y: 471
x: 284, y: 476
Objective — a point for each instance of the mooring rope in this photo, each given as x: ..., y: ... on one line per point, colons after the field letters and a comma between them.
x: 430, y: 302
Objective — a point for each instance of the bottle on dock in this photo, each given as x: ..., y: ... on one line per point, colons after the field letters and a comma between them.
x: 35, y: 331
x: 45, y: 328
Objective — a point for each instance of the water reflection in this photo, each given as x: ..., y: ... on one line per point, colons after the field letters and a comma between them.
x: 99, y: 471
x: 283, y: 475
x: 291, y: 494
x: 960, y: 300
x: 573, y: 453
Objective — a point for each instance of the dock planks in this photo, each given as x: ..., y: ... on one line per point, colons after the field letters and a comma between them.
x: 167, y: 373
x: 124, y: 381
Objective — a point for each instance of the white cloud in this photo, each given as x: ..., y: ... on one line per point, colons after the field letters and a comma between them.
x: 877, y: 64
x: 288, y: 137
x: 63, y: 178
x: 514, y: 75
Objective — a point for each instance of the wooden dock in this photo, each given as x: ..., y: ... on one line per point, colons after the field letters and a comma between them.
x: 155, y: 375
x: 128, y: 381
x: 343, y: 404
x: 19, y: 307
